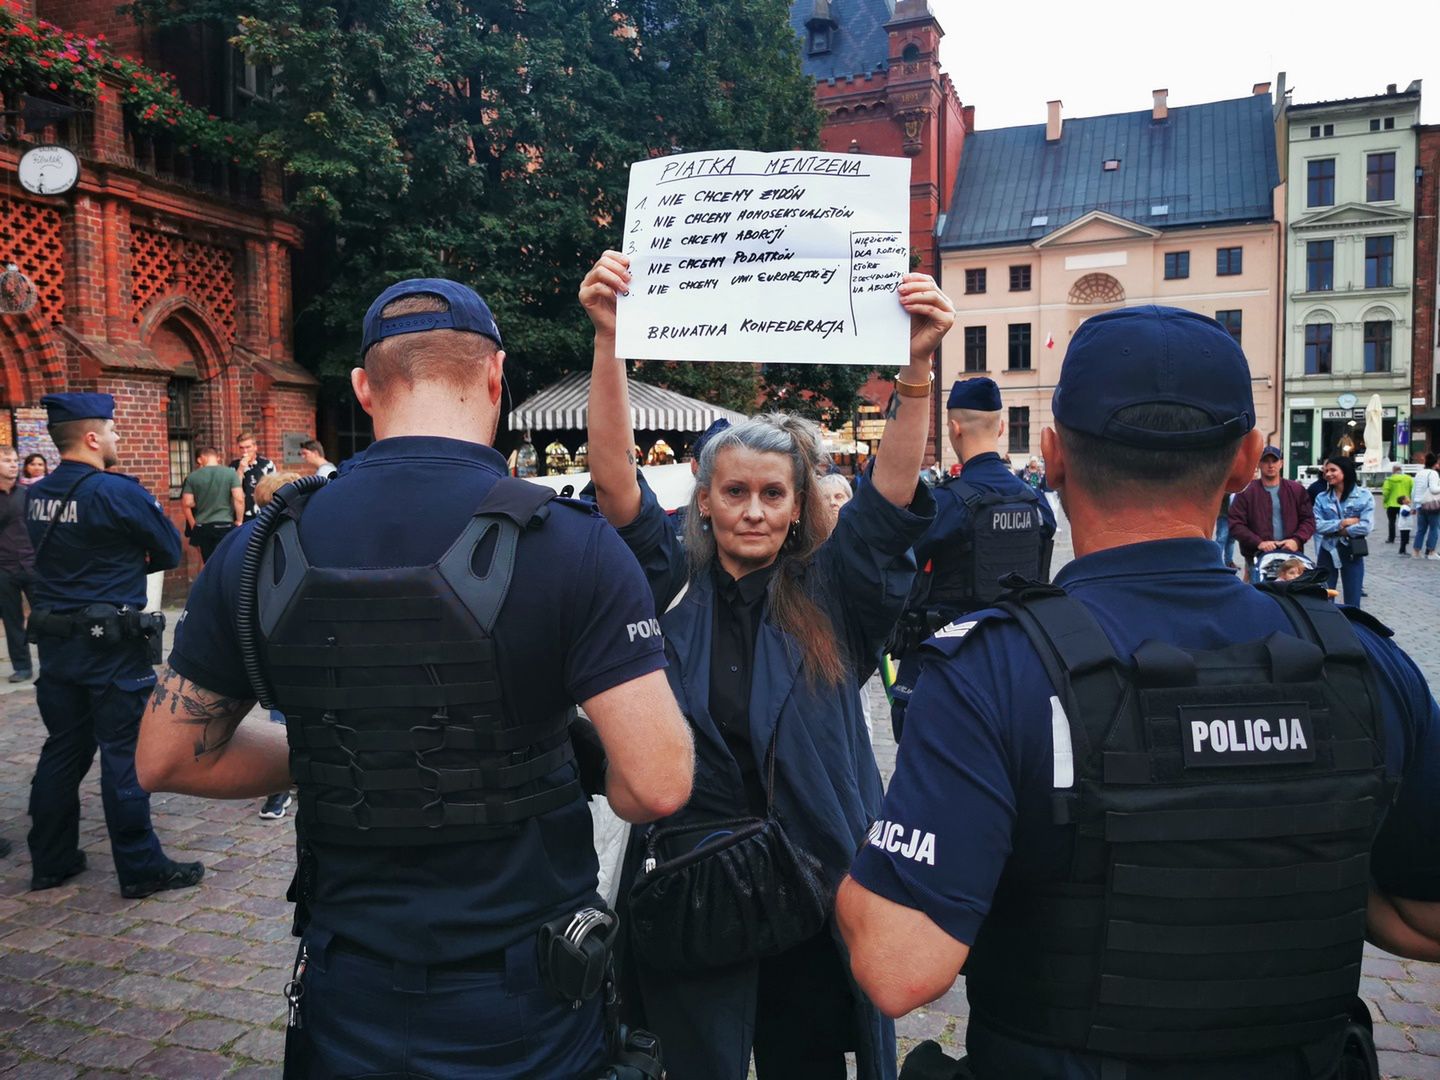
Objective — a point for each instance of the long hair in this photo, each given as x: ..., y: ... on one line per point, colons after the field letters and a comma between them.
x: 1346, y: 465
x: 791, y: 608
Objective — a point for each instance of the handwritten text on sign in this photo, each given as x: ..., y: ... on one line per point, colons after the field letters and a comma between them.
x: 794, y: 257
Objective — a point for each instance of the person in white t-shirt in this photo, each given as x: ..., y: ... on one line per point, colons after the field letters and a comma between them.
x: 1425, y: 499
x: 313, y: 454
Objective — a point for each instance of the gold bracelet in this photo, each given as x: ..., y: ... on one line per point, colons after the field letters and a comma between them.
x: 910, y: 389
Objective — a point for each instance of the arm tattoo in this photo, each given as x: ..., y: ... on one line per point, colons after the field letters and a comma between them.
x: 216, y: 717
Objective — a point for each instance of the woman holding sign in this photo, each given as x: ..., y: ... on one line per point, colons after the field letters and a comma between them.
x: 771, y: 629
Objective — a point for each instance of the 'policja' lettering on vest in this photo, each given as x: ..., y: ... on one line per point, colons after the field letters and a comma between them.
x: 1228, y: 736
x: 1007, y: 520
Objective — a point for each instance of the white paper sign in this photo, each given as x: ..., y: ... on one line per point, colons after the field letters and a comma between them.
x: 793, y: 258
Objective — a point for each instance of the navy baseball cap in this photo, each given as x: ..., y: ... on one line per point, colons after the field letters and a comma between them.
x: 63, y: 408
x: 705, y: 436
x: 980, y: 394
x: 467, y: 312
x: 1154, y: 356
x: 1272, y: 451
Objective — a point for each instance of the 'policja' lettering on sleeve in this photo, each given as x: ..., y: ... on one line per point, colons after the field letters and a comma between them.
x: 911, y: 844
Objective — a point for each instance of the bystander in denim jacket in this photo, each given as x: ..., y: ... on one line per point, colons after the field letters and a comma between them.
x: 1329, y: 512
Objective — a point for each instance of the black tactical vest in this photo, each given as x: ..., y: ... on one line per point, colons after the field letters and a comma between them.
x: 389, y: 684
x: 1224, y: 804
x: 1004, y: 534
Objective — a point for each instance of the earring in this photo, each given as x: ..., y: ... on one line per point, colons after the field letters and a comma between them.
x: 704, y: 523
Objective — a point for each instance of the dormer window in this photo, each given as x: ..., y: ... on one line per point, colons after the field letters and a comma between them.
x: 1111, y: 165
x: 821, y: 26
x: 911, y: 53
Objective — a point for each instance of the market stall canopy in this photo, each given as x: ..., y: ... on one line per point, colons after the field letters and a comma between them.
x: 563, y: 407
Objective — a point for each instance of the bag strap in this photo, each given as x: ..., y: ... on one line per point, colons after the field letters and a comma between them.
x: 770, y: 770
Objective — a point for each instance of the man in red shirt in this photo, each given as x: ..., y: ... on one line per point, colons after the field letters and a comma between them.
x: 1272, y: 513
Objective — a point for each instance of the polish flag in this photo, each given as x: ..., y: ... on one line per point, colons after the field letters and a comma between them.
x: 1049, y: 341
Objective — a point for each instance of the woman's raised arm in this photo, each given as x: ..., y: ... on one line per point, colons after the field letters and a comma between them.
x: 897, y: 463
x: 610, y: 439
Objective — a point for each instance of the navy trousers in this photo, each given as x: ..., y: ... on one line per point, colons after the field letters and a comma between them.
x: 78, y: 720
x: 365, y: 1017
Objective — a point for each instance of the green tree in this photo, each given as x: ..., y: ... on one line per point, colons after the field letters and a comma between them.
x: 489, y: 141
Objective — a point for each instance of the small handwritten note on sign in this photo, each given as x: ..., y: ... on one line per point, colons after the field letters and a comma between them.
x: 794, y: 257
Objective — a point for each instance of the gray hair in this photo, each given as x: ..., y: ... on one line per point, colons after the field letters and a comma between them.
x: 791, y: 609
x: 769, y: 433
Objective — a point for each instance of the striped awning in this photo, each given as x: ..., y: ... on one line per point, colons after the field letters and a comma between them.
x: 563, y: 407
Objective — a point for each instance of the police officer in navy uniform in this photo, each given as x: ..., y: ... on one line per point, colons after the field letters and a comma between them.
x: 96, y: 535
x: 988, y: 523
x: 1151, y: 811
x: 427, y: 624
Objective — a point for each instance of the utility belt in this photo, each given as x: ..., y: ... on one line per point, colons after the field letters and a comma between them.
x: 100, y: 624
x: 575, y: 965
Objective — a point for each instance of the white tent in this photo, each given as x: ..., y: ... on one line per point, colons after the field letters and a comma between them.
x: 565, y: 407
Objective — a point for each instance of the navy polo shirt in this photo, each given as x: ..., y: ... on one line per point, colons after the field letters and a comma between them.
x: 976, y: 767
x: 564, y: 635
x: 985, y: 472
x: 109, y: 533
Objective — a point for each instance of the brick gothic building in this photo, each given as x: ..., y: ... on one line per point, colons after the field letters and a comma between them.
x: 876, y: 66
x: 163, y: 280
x: 1425, y: 350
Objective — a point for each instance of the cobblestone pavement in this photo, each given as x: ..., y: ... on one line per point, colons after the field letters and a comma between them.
x: 187, y: 985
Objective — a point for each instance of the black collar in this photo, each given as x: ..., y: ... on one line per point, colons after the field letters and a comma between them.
x: 747, y: 589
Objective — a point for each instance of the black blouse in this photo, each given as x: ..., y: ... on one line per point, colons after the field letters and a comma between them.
x: 739, y: 607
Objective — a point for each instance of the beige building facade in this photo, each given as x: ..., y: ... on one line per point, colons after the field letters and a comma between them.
x: 1035, y: 297
x: 1053, y: 223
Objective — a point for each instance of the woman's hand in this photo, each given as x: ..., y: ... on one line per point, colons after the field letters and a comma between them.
x: 1347, y: 522
x: 607, y: 279
x: 931, y: 315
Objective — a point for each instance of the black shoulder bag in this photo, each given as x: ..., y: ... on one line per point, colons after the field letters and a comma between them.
x: 737, y: 890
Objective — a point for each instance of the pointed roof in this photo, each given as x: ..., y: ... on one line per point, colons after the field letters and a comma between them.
x: 859, y: 42
x: 1204, y: 164
x: 1348, y: 213
x: 1120, y: 225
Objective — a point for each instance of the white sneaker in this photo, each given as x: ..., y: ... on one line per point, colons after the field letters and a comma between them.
x: 1433, y: 557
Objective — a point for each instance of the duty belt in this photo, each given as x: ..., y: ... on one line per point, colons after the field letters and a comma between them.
x: 104, y: 623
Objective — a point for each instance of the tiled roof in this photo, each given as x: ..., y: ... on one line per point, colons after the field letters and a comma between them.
x: 1205, y: 164
x: 859, y: 43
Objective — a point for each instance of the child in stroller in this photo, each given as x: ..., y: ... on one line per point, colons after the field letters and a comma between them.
x: 1283, y: 566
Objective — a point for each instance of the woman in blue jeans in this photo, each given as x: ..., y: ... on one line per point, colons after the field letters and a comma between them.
x: 1425, y: 491
x: 1343, y: 511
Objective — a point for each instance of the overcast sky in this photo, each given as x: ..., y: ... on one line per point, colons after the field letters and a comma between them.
x: 1008, y: 58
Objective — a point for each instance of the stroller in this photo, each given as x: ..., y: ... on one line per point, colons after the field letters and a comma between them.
x: 1272, y: 565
